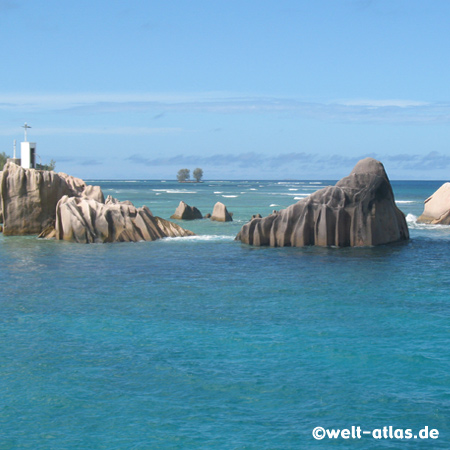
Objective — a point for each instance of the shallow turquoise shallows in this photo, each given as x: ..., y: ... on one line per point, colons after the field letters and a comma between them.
x: 205, y: 343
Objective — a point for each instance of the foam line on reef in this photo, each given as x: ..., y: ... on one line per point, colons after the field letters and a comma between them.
x: 174, y: 191
x: 205, y: 237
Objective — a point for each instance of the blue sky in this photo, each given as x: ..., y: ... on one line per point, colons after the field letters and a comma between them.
x: 243, y: 89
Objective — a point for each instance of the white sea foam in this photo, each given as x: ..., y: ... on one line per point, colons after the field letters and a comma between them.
x: 205, y: 237
x: 114, y: 181
x: 273, y: 204
x: 315, y: 182
x: 230, y: 196
x: 291, y: 182
x: 218, y: 192
x: 293, y: 189
x: 174, y: 191
x: 253, y: 189
x: 301, y: 198
x: 404, y: 201
x: 411, y: 220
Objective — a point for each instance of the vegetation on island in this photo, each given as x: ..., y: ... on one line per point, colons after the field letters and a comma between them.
x: 50, y: 166
x: 184, y: 175
x: 198, y: 174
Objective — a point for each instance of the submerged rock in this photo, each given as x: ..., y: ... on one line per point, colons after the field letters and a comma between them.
x: 437, y: 207
x: 186, y: 212
x: 220, y: 213
x: 86, y: 221
x: 29, y: 197
x: 358, y: 211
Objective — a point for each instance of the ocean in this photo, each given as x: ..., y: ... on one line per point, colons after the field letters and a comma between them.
x: 206, y: 343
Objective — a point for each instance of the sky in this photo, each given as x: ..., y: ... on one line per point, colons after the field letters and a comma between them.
x: 274, y: 89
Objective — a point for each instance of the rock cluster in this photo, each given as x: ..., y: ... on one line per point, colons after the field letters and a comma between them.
x: 186, y: 212
x: 29, y: 197
x: 437, y: 207
x: 59, y: 206
x: 87, y: 221
x: 358, y: 211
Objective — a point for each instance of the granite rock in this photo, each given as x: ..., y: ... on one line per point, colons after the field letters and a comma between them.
x: 220, y: 213
x: 29, y: 197
x: 86, y: 221
x: 359, y: 210
x: 186, y: 212
x: 437, y: 207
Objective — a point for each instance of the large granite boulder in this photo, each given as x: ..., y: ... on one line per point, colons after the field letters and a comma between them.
x: 358, y: 211
x: 29, y: 197
x: 220, y: 213
x: 437, y: 207
x: 86, y: 221
x: 186, y: 212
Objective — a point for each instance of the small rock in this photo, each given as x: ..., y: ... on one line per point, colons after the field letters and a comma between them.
x: 220, y: 213
x: 186, y: 212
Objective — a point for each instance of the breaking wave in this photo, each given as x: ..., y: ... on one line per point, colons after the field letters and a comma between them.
x: 205, y: 237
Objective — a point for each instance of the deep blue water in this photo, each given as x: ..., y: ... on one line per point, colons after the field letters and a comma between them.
x: 205, y: 343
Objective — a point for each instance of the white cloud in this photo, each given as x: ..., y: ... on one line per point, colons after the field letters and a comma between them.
x: 347, y: 110
x: 382, y: 103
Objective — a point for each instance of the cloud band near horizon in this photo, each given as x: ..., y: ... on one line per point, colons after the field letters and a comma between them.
x: 254, y: 160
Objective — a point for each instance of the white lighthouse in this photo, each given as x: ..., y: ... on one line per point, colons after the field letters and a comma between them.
x: 27, y: 151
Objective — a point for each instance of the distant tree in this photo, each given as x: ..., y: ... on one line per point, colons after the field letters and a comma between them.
x: 183, y: 175
x: 3, y: 158
x: 198, y: 174
x: 50, y: 166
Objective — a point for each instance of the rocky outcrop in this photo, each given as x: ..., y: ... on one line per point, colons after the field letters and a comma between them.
x: 437, y: 207
x: 29, y: 197
x: 358, y: 211
x: 186, y: 212
x: 110, y: 200
x: 86, y: 221
x: 220, y: 213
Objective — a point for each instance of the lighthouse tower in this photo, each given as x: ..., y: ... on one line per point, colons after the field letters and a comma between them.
x: 27, y: 152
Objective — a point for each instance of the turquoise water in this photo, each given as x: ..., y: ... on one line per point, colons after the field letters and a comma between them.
x: 205, y: 343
